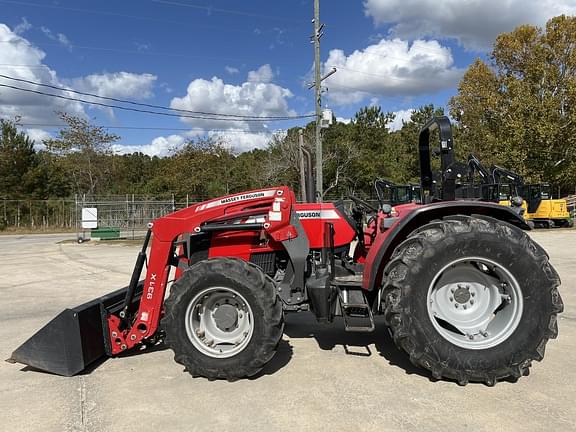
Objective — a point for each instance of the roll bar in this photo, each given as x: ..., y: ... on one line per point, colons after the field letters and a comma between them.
x: 448, y: 189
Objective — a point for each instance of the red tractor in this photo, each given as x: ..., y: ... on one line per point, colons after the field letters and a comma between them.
x: 463, y: 289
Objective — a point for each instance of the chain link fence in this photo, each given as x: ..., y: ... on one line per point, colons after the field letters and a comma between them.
x: 126, y: 212
x: 37, y: 214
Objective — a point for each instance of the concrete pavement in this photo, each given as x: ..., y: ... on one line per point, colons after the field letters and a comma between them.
x: 322, y: 377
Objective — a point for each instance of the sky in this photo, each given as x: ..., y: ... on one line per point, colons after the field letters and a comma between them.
x: 231, y: 68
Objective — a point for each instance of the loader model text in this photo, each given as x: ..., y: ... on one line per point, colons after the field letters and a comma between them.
x: 151, y: 286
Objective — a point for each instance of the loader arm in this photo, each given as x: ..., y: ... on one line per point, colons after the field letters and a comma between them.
x: 235, y: 225
x: 233, y: 213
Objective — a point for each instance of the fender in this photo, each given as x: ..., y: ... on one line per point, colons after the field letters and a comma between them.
x: 413, y: 216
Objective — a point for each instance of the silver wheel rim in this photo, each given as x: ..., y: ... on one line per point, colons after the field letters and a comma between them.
x: 475, y: 303
x: 219, y: 322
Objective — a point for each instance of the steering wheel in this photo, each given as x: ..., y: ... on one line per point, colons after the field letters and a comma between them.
x: 363, y: 203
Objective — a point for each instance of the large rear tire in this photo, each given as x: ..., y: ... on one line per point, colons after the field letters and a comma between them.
x: 223, y: 319
x: 471, y: 299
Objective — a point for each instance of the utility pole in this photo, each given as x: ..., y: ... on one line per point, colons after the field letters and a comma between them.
x: 318, y: 98
x: 317, y: 84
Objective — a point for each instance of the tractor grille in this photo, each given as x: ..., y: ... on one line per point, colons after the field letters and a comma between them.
x: 266, y: 261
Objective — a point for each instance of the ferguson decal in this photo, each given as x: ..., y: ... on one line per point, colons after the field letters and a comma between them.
x: 317, y: 214
x: 237, y: 198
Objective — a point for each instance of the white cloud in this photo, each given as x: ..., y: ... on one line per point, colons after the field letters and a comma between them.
x: 390, y: 68
x: 58, y: 37
x: 38, y: 136
x: 396, y: 124
x: 240, y: 141
x: 263, y: 74
x: 118, y: 84
x: 232, y: 70
x: 22, y: 27
x: 142, y: 46
x: 474, y: 23
x: 166, y: 87
x: 400, y: 117
x: 160, y: 146
x: 20, y: 59
x: 256, y: 97
x: 235, y: 139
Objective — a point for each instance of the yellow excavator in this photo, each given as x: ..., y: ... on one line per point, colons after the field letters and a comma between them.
x: 541, y: 209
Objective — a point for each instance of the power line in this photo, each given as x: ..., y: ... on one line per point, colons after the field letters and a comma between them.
x: 155, y: 53
x: 210, y: 9
x: 90, y: 11
x: 120, y: 15
x: 51, y: 125
x: 129, y: 51
x: 231, y: 131
x: 232, y: 116
x: 136, y: 109
x: 142, y: 110
x: 372, y: 74
x: 358, y: 89
x: 9, y: 65
x: 180, y: 55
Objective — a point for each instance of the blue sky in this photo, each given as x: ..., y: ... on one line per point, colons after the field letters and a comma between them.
x: 249, y: 58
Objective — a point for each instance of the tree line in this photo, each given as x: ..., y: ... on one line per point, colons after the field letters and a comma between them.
x: 515, y: 109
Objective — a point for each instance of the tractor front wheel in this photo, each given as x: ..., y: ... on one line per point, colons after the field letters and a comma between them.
x: 471, y: 299
x: 223, y: 319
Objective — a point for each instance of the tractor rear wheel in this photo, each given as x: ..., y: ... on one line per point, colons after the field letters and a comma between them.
x: 471, y: 299
x: 223, y: 319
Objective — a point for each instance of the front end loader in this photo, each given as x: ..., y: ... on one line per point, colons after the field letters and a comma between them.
x: 462, y: 288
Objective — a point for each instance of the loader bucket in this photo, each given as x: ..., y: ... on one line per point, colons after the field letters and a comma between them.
x: 75, y: 338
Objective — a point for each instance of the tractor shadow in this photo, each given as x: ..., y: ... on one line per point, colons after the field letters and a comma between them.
x: 281, y: 358
x: 143, y: 349
x: 333, y: 335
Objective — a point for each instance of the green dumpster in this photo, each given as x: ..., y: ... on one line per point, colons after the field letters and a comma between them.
x: 105, y: 233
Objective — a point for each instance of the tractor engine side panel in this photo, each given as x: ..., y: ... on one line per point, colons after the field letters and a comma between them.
x: 242, y: 244
x: 236, y: 244
x: 313, y: 216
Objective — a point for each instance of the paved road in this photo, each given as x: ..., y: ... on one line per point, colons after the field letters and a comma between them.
x: 322, y: 377
x: 18, y: 240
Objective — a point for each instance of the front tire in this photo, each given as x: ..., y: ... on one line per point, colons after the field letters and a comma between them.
x: 471, y: 299
x: 223, y: 319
